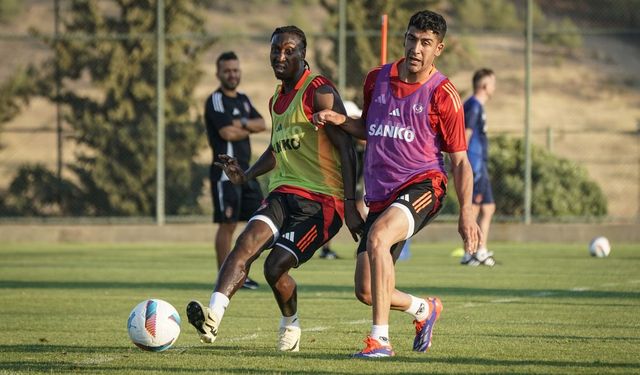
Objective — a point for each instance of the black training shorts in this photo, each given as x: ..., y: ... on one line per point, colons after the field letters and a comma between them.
x: 419, y: 201
x: 233, y: 203
x: 299, y: 225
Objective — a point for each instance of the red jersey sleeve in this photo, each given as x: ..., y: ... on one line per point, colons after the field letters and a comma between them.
x: 367, y: 90
x: 448, y: 116
x: 307, y: 97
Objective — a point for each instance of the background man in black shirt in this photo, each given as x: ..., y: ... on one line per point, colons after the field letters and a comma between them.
x: 231, y: 118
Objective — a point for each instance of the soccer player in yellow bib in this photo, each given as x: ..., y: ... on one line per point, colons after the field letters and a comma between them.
x: 311, y: 189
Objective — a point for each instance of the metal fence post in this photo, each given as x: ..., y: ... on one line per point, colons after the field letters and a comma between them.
x: 527, y: 115
x: 342, y: 47
x: 160, y: 175
x: 56, y: 33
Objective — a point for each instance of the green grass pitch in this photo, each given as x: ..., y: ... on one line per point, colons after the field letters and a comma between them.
x: 544, y: 309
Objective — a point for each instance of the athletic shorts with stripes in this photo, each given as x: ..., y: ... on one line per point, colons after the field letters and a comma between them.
x: 420, y: 202
x: 299, y: 225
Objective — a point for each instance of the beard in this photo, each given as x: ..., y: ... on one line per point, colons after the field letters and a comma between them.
x: 230, y: 85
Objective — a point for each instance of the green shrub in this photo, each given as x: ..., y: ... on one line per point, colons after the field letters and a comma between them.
x: 560, y: 188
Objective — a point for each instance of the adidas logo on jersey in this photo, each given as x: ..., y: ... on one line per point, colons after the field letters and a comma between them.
x: 236, y: 112
x: 289, y: 236
x: 380, y: 99
x: 404, y: 197
x: 395, y: 112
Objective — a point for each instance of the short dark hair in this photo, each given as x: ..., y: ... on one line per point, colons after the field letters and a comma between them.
x: 226, y: 56
x: 291, y: 30
x: 479, y: 75
x: 427, y: 20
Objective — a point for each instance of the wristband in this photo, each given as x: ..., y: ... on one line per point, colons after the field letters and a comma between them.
x: 243, y: 122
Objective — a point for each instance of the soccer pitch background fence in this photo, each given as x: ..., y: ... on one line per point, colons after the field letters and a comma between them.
x: 606, y: 144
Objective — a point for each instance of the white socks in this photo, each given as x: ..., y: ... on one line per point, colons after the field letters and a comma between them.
x: 290, y: 321
x: 419, y: 308
x: 218, y: 304
x: 380, y: 333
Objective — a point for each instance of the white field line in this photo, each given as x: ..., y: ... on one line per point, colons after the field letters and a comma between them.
x: 505, y: 300
x: 542, y: 294
x: 243, y: 338
x: 361, y: 321
x: 94, y: 360
x: 316, y: 329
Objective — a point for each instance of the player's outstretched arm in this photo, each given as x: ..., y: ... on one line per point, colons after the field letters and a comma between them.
x: 353, y: 126
x: 232, y: 169
x: 463, y: 180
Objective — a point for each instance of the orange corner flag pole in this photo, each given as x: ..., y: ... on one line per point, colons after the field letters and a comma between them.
x: 383, y: 41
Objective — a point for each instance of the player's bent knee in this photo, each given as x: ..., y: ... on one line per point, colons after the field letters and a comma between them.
x: 377, y: 249
x: 363, y: 295
x: 275, y: 267
x: 272, y: 273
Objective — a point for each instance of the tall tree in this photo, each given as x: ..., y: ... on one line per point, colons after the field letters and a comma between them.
x: 107, y: 63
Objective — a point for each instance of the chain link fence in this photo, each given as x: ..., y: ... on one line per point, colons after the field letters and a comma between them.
x: 585, y: 95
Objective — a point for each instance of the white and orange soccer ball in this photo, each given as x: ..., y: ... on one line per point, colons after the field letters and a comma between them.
x: 599, y: 247
x: 154, y: 325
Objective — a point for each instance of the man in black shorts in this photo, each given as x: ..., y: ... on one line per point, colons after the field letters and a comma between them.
x: 231, y: 118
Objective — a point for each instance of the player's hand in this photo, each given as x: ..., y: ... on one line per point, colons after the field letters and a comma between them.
x: 470, y: 232
x: 232, y: 169
x: 328, y: 117
x: 353, y: 219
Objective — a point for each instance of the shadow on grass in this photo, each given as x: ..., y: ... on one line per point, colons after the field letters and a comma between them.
x: 64, y: 364
x: 319, y: 288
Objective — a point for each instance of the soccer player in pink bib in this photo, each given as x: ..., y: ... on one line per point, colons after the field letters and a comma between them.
x: 412, y: 113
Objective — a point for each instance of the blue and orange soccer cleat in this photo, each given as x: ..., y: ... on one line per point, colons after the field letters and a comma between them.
x: 374, y: 349
x: 424, y: 328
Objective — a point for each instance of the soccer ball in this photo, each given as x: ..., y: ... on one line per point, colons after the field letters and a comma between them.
x: 599, y: 247
x: 154, y: 325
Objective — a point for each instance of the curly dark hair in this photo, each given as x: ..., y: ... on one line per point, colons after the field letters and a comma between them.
x: 428, y: 20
